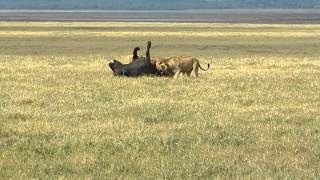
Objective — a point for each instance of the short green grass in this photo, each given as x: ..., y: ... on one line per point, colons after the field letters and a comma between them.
x: 254, y: 115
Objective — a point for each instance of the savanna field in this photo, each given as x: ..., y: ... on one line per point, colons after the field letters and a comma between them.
x: 254, y: 114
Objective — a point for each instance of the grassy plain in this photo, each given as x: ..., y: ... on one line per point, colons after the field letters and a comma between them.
x: 255, y: 114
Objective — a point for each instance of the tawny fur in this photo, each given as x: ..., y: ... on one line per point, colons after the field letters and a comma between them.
x: 174, y: 66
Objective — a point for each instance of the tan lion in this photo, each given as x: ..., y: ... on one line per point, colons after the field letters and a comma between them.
x: 129, y: 58
x: 174, y: 66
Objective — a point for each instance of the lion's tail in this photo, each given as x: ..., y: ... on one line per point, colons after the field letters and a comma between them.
x: 203, y: 68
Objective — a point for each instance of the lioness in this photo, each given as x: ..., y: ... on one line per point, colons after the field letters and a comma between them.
x: 129, y: 58
x: 182, y: 64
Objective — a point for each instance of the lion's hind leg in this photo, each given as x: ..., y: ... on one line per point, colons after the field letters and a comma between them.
x: 196, y: 68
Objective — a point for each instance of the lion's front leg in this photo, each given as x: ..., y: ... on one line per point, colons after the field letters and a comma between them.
x: 176, y: 75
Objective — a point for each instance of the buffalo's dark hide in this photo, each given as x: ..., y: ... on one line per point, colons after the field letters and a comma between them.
x: 136, y: 68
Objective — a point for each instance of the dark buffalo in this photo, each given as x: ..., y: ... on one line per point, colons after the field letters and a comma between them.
x: 138, y: 67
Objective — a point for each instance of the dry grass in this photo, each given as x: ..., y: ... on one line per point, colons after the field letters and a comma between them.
x: 255, y: 114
